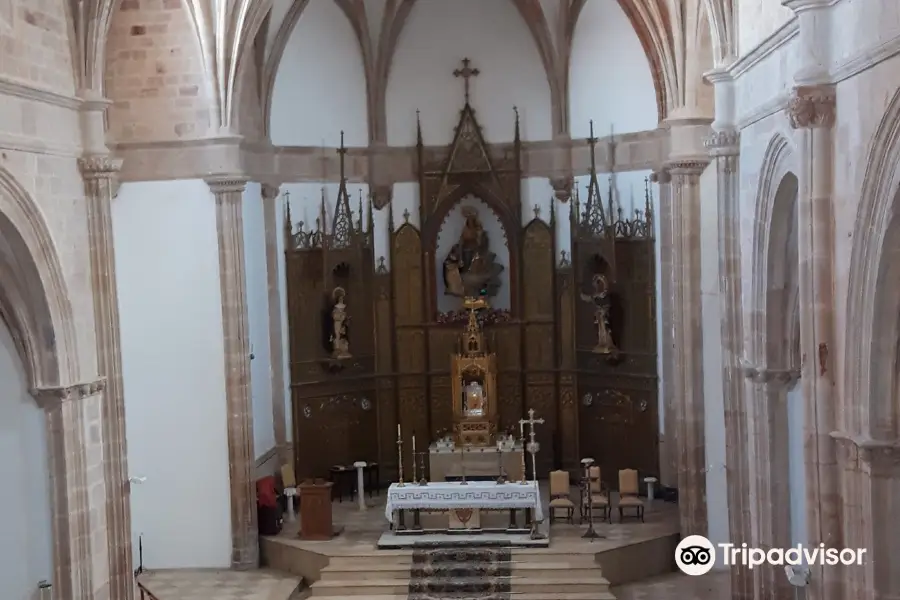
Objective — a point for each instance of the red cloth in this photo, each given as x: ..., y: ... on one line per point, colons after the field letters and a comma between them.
x: 265, y: 492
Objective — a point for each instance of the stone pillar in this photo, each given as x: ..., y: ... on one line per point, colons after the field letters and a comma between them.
x: 99, y: 173
x: 724, y: 149
x: 276, y: 346
x: 688, y: 345
x: 228, y: 191
x: 770, y: 485
x: 75, y: 427
x: 668, y: 460
x: 811, y: 114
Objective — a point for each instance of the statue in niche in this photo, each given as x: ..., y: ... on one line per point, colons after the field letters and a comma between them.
x: 337, y: 330
x: 470, y: 268
x: 600, y: 298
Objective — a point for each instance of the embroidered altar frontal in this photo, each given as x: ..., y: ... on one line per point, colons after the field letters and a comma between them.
x: 471, y: 573
x: 486, y: 495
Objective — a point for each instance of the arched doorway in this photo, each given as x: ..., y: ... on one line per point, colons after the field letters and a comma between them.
x: 38, y: 331
x: 774, y: 404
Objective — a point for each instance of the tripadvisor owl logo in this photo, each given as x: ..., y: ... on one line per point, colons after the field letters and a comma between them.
x: 695, y: 555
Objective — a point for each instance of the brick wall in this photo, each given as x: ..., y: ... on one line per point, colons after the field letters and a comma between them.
x: 155, y: 75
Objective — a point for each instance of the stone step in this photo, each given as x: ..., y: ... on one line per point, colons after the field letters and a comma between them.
x: 514, y: 596
x: 554, y: 586
x: 366, y: 561
x: 349, y: 571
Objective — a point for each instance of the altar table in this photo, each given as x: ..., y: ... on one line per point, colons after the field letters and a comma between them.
x: 447, y: 495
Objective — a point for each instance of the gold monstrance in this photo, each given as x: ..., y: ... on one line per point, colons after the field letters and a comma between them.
x: 473, y: 375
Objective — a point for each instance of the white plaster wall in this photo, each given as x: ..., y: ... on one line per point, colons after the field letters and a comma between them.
x: 258, y: 319
x: 796, y: 466
x: 713, y: 400
x: 437, y: 36
x: 610, y: 80
x: 26, y: 552
x: 305, y: 200
x: 320, y: 88
x: 173, y: 368
x: 449, y: 235
x: 757, y: 20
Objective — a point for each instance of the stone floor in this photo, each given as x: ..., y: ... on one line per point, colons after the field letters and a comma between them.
x: 714, y: 586
x: 361, y: 530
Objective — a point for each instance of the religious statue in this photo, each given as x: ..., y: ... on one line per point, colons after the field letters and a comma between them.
x: 338, y: 334
x: 473, y: 403
x: 601, y: 301
x: 470, y: 268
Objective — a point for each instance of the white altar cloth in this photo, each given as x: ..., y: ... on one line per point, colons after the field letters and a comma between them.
x: 448, y: 495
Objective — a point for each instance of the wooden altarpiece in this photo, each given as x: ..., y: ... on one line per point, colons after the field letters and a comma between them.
x: 617, y: 392
x: 333, y: 400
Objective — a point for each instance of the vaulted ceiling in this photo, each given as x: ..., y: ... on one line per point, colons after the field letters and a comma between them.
x: 233, y: 33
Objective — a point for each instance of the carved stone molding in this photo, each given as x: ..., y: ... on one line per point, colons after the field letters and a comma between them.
x: 562, y: 188
x: 778, y: 378
x: 723, y: 143
x: 269, y: 191
x: 223, y: 184
x: 881, y: 456
x: 687, y: 167
x: 661, y: 177
x: 48, y: 397
x: 812, y: 106
x: 381, y: 195
x: 99, y: 166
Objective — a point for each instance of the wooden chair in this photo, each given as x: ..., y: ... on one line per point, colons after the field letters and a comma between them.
x: 596, y: 498
x: 628, y: 494
x: 559, y: 496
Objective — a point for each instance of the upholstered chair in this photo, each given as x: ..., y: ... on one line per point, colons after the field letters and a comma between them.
x: 628, y: 494
x: 559, y: 496
x: 596, y: 498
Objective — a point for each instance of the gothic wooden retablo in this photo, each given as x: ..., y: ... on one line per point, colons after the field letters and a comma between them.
x: 473, y: 377
x: 571, y: 326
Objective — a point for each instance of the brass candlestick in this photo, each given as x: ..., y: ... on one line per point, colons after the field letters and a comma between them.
x: 399, y: 458
x: 422, y: 480
x: 414, y: 477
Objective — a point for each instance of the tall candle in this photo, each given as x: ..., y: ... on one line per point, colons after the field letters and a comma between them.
x: 414, y: 443
x: 398, y: 431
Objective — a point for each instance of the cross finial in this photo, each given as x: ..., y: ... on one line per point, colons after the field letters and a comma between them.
x: 466, y: 72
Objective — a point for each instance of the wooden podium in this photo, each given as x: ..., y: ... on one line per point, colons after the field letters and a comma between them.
x: 315, y: 510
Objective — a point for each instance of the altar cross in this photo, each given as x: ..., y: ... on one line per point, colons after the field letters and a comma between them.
x: 531, y: 422
x: 466, y: 72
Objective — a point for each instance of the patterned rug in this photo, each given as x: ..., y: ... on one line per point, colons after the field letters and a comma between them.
x: 460, y: 574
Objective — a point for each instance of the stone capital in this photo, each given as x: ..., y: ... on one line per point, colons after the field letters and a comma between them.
x: 51, y: 396
x: 799, y: 6
x: 661, y: 176
x: 224, y: 184
x: 687, y: 167
x: 812, y: 107
x: 773, y: 379
x: 99, y: 166
x: 381, y: 195
x: 562, y: 188
x: 726, y: 142
x: 270, y: 191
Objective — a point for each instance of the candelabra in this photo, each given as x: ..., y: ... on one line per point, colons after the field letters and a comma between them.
x: 399, y: 458
x: 587, y: 500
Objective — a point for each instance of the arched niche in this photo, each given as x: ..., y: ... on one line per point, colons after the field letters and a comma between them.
x: 448, y: 235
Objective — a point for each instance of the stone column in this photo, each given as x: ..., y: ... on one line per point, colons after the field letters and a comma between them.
x: 668, y: 461
x: 99, y: 174
x: 811, y: 113
x: 688, y: 345
x: 724, y: 149
x: 228, y: 191
x: 770, y: 485
x: 276, y: 347
x: 75, y: 429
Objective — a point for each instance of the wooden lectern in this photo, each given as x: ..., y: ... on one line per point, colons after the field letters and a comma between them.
x: 315, y: 510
